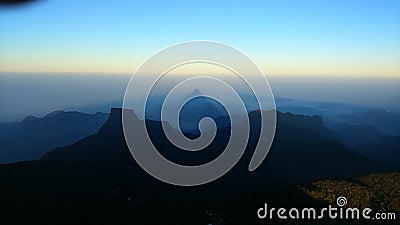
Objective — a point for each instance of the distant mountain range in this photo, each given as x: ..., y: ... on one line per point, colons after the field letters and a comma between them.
x: 382, y: 120
x: 355, y: 136
x: 32, y: 137
x: 362, y: 131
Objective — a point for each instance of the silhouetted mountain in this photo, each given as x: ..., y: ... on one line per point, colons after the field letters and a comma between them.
x: 300, y: 110
x: 326, y: 108
x: 358, y: 137
x: 108, y: 149
x: 191, y: 113
x: 303, y: 150
x: 382, y: 120
x: 32, y: 137
x: 96, y: 180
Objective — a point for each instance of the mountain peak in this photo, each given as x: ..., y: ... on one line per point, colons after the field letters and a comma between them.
x: 114, y: 121
x: 195, y: 92
x: 29, y: 119
x: 55, y: 113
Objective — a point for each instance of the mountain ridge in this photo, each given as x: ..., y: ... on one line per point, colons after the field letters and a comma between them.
x: 294, y: 138
x: 33, y: 136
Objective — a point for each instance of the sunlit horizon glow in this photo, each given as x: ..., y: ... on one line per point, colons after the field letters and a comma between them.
x: 285, y: 38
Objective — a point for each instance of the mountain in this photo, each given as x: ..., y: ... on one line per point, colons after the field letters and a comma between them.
x: 32, y: 137
x: 301, y: 110
x: 190, y: 114
x: 96, y: 180
x: 381, y: 148
x: 105, y: 147
x: 325, y: 108
x: 358, y: 137
x: 108, y: 149
x: 384, y: 121
x: 303, y: 150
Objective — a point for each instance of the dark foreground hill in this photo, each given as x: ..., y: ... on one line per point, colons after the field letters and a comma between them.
x: 96, y: 180
x: 386, y: 151
x: 53, y: 192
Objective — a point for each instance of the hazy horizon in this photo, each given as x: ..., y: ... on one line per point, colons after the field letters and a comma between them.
x: 39, y: 94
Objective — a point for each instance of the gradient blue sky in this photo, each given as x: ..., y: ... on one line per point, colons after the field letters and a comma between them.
x: 317, y: 38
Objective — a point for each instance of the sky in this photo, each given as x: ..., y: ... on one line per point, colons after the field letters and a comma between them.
x: 357, y: 38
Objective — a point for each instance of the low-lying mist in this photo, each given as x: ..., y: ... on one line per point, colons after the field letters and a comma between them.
x: 23, y: 94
